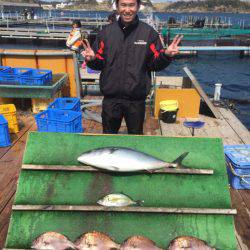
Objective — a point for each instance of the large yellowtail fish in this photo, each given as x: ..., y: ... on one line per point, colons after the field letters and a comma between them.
x: 121, y: 159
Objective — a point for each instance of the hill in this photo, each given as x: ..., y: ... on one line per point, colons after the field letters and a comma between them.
x: 205, y: 6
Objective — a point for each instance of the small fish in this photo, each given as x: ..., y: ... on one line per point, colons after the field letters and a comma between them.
x: 139, y: 243
x: 52, y: 241
x: 188, y: 242
x: 122, y: 159
x: 96, y: 241
x: 117, y: 200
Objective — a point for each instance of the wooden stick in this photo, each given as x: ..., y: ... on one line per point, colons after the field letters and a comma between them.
x: 202, y: 93
x: 124, y: 209
x: 92, y: 169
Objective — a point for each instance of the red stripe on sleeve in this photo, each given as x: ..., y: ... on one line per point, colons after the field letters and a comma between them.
x: 101, y: 49
x: 154, y: 50
x: 98, y: 56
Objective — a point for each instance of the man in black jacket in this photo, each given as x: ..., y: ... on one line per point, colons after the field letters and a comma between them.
x: 126, y: 52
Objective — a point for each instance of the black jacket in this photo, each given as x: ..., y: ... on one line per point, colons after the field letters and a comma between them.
x: 126, y: 56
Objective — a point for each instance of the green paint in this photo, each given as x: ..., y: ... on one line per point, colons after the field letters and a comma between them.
x: 158, y: 190
x: 79, y: 188
x: 216, y: 230
x: 63, y: 149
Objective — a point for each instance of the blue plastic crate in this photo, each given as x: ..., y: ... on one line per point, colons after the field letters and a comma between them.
x: 239, y: 155
x: 238, y: 163
x: 36, y: 77
x: 73, y: 104
x: 56, y: 120
x: 4, y: 68
x: 4, y: 132
x: 11, y: 75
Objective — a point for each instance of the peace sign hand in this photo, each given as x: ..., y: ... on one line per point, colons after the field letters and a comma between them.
x: 173, y: 48
x: 88, y: 52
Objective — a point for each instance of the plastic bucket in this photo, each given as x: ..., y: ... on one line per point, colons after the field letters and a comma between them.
x: 168, y: 111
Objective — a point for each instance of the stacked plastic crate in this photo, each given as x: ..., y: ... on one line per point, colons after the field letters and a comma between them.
x: 9, y: 112
x: 238, y: 165
x: 4, y: 132
x: 25, y: 76
x: 62, y: 115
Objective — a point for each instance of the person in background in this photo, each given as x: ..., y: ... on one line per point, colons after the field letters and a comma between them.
x: 112, y: 17
x: 126, y: 52
x: 74, y: 41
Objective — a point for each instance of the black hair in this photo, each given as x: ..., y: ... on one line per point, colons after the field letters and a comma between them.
x: 138, y: 2
x: 77, y: 23
x: 112, y: 17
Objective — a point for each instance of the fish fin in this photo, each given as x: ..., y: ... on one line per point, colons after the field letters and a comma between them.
x: 150, y: 171
x: 139, y: 203
x: 113, y: 168
x: 178, y: 161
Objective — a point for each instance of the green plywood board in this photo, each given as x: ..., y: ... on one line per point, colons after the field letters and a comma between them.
x: 32, y: 91
x: 158, y: 190
x: 78, y: 188
x: 26, y: 226
x: 63, y: 149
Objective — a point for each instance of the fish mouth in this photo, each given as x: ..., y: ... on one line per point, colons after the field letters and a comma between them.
x: 79, y: 159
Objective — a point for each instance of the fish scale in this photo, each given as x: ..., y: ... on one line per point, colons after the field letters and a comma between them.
x: 121, y: 159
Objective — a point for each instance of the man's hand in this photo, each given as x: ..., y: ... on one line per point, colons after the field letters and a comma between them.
x: 173, y: 48
x: 88, y: 52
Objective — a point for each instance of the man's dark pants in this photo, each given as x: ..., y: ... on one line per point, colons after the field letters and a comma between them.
x: 113, y: 111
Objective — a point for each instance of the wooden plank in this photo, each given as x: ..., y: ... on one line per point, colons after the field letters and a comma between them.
x: 10, y: 164
x: 242, y: 219
x: 174, y: 129
x: 4, y: 219
x: 245, y: 195
x: 25, y: 123
x: 125, y: 209
x: 236, y: 125
x: 202, y: 93
x: 92, y: 169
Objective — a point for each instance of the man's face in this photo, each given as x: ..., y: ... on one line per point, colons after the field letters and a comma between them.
x: 127, y: 10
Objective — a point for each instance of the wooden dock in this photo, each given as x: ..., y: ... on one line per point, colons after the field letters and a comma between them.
x: 225, y: 126
x: 43, y: 34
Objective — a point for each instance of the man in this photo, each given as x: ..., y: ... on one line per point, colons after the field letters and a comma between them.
x: 126, y: 52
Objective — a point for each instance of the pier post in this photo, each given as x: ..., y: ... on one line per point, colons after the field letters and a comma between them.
x: 217, y: 91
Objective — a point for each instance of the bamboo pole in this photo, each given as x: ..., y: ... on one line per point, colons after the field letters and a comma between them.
x: 92, y: 169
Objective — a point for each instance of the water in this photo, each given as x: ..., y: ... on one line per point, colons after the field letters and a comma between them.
x: 226, y: 68
x: 230, y: 70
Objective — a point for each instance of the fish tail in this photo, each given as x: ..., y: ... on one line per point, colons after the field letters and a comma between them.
x: 178, y: 161
x: 139, y: 203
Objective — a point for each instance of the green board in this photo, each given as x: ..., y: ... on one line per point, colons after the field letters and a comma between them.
x: 45, y: 187
x: 32, y: 91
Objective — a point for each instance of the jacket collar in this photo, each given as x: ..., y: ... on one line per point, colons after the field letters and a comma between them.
x: 130, y: 27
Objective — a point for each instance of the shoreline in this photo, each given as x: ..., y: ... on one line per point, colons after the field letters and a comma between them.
x: 161, y: 11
